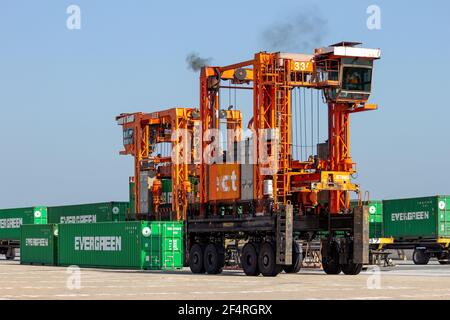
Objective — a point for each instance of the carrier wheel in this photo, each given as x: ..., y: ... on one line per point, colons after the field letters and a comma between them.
x: 443, y: 258
x: 371, y: 258
x: 330, y: 262
x: 249, y: 260
x: 297, y: 259
x: 351, y: 268
x: 186, y: 257
x: 221, y: 252
x: 267, y: 261
x: 196, y: 259
x: 420, y: 257
x: 213, y: 258
x: 10, y: 254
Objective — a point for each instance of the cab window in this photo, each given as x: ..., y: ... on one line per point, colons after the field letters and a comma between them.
x: 356, y: 79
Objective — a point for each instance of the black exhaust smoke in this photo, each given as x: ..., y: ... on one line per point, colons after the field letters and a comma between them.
x: 195, y: 62
x: 303, y: 31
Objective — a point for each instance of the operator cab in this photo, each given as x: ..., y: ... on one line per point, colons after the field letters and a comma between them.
x: 347, y: 69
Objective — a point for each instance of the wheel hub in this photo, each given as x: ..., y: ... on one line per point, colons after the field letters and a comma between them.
x: 266, y: 260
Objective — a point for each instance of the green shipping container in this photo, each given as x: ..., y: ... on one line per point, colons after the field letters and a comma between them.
x: 166, y: 245
x: 166, y: 192
x: 375, y: 217
x: 425, y: 218
x: 38, y: 244
x: 89, y: 213
x: 129, y: 245
x: 40, y: 215
x: 166, y: 195
x: 376, y: 230
x: 12, y: 219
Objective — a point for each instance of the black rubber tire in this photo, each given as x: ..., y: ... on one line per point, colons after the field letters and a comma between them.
x: 10, y: 254
x: 420, y: 257
x: 249, y: 260
x: 297, y: 259
x: 443, y: 258
x: 330, y: 263
x: 221, y: 252
x: 267, y: 260
x: 186, y: 256
x: 196, y: 259
x: 213, y: 260
x: 351, y: 268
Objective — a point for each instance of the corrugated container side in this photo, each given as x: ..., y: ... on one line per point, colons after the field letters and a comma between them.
x: 12, y: 219
x: 89, y: 213
x: 38, y: 244
x: 133, y: 245
x: 112, y: 245
x: 411, y: 218
x: 120, y: 210
x: 375, y: 230
x: 444, y: 216
x: 166, y: 245
x: 40, y: 215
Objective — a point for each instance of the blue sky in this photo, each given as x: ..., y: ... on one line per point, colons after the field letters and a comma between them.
x: 60, y: 90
